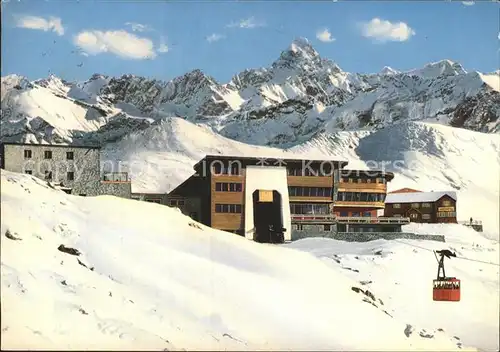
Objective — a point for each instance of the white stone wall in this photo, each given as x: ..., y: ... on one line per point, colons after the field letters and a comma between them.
x: 267, y: 178
x: 85, y: 167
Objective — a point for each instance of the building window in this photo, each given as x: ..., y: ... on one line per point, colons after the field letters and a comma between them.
x: 217, y: 169
x: 446, y: 214
x: 326, y: 227
x: 228, y: 208
x: 234, y: 169
x: 228, y: 187
x: 396, y: 206
x: 70, y: 176
x: 29, y: 172
x: 368, y: 180
x: 344, y: 214
x: 48, y: 175
x: 360, y: 197
x: 355, y: 214
x: 446, y: 203
x: 309, y: 209
x: 426, y: 216
x: 154, y: 200
x: 426, y: 205
x: 27, y: 154
x: 415, y: 205
x: 47, y: 154
x: 69, y: 155
x: 176, y: 202
x: 295, y: 191
x: 367, y: 214
x: 82, y: 195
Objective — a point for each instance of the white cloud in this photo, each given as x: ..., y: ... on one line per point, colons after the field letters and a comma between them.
x: 39, y: 23
x: 138, y: 27
x: 248, y: 23
x: 384, y: 31
x: 324, y: 35
x: 214, y: 37
x: 468, y: 3
x: 120, y: 43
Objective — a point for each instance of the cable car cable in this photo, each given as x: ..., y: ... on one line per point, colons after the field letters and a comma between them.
x: 464, y: 258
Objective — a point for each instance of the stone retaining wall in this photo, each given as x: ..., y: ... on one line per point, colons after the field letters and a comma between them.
x: 365, y: 236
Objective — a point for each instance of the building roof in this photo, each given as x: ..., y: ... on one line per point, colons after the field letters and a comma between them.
x: 405, y: 190
x: 367, y: 173
x: 418, y: 197
x: 270, y: 161
x: 52, y: 145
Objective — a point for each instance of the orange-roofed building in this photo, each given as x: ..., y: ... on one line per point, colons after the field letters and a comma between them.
x: 405, y: 190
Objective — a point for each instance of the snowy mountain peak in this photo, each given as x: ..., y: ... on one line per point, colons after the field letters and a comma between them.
x: 303, y: 46
x: 298, y: 53
x: 440, y: 68
x: 388, y: 71
x: 54, y: 83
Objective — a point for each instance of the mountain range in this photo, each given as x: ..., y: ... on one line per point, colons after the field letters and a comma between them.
x: 436, y: 127
x: 300, y: 95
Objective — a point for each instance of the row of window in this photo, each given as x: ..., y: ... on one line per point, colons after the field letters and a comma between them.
x: 295, y: 191
x: 176, y: 202
x: 363, y: 180
x: 446, y: 214
x: 228, y: 187
x: 360, y: 197
x: 233, y: 169
x: 355, y: 214
x: 325, y: 171
x: 70, y: 176
x: 47, y: 154
x: 307, y: 208
x: 302, y: 227
x: 445, y: 203
x: 424, y: 216
x: 228, y: 208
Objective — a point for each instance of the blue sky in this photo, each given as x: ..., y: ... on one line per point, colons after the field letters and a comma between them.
x: 166, y: 39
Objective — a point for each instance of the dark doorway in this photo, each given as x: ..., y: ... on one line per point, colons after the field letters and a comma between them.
x: 267, y: 217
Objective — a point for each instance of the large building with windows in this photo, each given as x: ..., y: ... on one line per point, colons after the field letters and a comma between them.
x: 422, y: 207
x: 72, y: 169
x: 361, y: 193
x: 247, y: 195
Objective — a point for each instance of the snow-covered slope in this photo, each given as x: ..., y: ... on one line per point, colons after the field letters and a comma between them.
x: 298, y: 95
x: 400, y: 273
x: 74, y: 268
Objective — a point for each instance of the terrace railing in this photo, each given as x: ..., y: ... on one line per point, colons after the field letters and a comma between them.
x: 350, y: 219
x: 370, y: 220
x: 115, y: 177
x: 313, y: 217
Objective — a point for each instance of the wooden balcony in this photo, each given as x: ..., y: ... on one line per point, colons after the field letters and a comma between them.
x: 303, y: 199
x: 359, y: 204
x: 324, y: 218
x: 370, y: 220
x: 362, y: 187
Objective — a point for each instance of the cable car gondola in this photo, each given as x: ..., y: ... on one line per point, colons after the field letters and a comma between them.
x: 445, y: 288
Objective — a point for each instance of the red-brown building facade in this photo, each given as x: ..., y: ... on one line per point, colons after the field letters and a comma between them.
x: 422, y: 207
